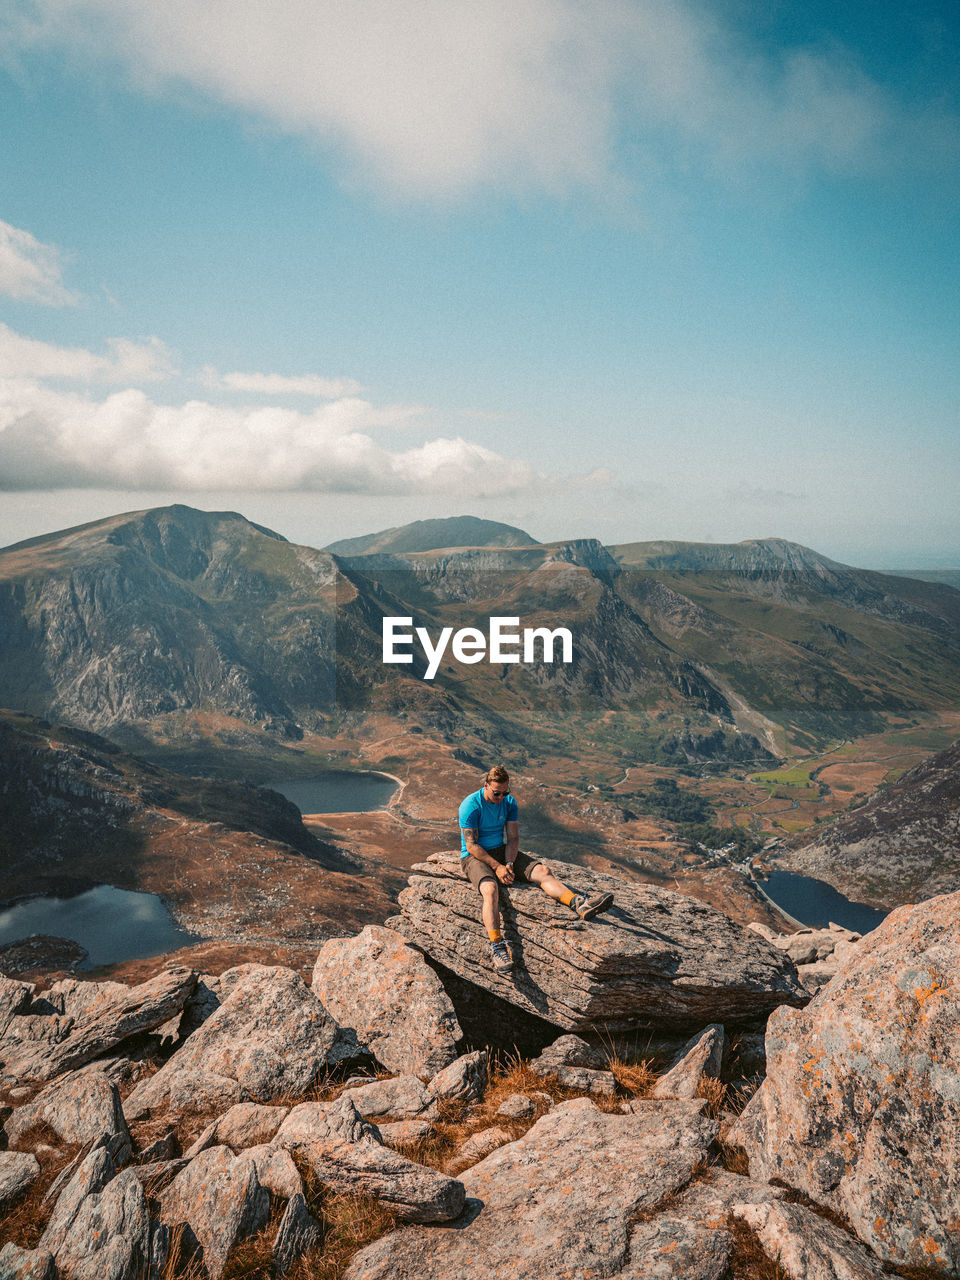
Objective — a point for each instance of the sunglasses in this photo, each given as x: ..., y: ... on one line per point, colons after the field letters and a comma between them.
x: 498, y: 793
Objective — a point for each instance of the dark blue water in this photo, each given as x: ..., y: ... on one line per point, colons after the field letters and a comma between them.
x: 111, y: 924
x: 817, y: 903
x: 338, y: 791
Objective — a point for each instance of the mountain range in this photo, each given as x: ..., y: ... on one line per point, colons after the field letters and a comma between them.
x: 205, y: 634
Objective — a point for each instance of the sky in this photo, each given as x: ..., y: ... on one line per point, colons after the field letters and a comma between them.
x: 633, y: 269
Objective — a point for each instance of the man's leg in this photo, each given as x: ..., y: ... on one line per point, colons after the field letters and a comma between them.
x: 490, y: 892
x: 490, y: 911
x: 542, y: 876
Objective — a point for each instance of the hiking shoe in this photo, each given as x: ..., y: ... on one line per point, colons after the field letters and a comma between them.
x: 500, y: 954
x: 587, y: 908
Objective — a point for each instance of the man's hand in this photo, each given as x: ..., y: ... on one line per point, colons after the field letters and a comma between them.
x: 505, y: 874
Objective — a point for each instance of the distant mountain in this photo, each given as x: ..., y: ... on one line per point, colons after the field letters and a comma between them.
x: 901, y: 844
x: 431, y: 535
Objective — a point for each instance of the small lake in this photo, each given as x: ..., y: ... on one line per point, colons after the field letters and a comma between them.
x: 338, y: 791
x: 817, y: 903
x: 111, y: 924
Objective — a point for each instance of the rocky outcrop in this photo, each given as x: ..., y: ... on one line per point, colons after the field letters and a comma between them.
x: 74, y: 1022
x: 655, y: 958
x: 379, y: 987
x: 26, y: 1264
x: 298, y: 1231
x: 266, y: 1041
x: 817, y: 953
x: 248, y: 1124
x: 570, y: 1188
x: 861, y: 1088
x: 345, y: 1154
x: 100, y: 1228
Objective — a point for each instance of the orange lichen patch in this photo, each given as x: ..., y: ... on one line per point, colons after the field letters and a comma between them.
x: 668, y: 1248
x: 809, y: 1065
x: 930, y: 1245
x: 923, y: 994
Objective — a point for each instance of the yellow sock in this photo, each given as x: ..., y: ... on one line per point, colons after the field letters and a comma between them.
x: 567, y: 897
x: 495, y: 935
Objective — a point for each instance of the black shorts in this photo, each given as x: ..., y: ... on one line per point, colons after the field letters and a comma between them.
x: 475, y: 870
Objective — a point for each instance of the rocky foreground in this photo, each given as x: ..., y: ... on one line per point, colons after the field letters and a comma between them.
x: 225, y: 1125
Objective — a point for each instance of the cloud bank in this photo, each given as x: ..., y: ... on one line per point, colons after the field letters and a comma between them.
x: 30, y: 271
x: 55, y: 439
x: 436, y: 97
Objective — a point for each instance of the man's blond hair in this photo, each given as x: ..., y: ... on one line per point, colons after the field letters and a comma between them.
x: 497, y: 774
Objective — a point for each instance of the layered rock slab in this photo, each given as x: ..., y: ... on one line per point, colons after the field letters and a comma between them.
x: 861, y: 1105
x: 565, y: 1194
x: 655, y: 958
x: 74, y: 1022
x: 378, y: 986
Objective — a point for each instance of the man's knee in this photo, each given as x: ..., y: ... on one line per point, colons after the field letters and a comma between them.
x: 488, y: 889
x: 540, y: 872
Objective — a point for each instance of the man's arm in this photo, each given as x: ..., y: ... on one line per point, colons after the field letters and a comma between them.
x: 470, y: 839
x: 512, y: 842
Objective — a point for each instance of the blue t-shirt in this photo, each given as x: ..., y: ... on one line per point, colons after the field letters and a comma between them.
x: 489, y: 820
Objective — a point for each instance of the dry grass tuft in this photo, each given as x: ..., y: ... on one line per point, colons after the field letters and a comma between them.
x: 349, y: 1222
x: 714, y: 1091
x: 747, y: 1258
x: 184, y: 1262
x: 635, y: 1078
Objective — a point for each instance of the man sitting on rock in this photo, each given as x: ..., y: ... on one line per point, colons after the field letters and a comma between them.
x: 490, y: 852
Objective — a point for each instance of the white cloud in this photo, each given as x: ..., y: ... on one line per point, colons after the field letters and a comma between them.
x: 126, y: 361
x: 50, y: 438
x: 275, y: 384
x: 439, y: 96
x: 30, y: 270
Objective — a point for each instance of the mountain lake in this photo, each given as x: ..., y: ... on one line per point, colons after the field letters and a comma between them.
x: 817, y: 903
x: 110, y: 924
x: 339, y: 791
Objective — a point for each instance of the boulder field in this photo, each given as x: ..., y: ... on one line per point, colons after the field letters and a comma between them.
x: 152, y: 1130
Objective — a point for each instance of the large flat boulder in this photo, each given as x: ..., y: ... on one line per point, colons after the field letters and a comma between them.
x: 656, y: 958
x: 75, y: 1022
x: 266, y: 1042
x: 382, y: 989
x: 563, y: 1199
x: 861, y: 1105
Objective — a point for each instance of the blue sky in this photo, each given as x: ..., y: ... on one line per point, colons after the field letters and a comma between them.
x: 627, y: 270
